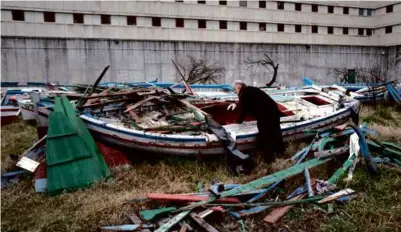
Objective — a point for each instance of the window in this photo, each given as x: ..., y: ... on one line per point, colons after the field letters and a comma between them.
x: 280, y: 5
x: 345, y: 10
x: 201, y: 2
x: 280, y: 27
x: 201, y: 23
x: 361, y: 11
x: 156, y: 21
x: 223, y: 3
x: 78, y: 18
x: 315, y: 8
x: 105, y: 19
x: 179, y: 22
x: 389, y: 9
x: 179, y: 0
x: 360, y: 31
x: 243, y: 26
x: 298, y: 28
x: 369, y: 12
x: 330, y: 9
x: 262, y: 26
x: 131, y: 20
x: 345, y: 30
x: 18, y: 15
x: 262, y: 4
x: 49, y: 17
x: 298, y: 6
x: 368, y: 32
x: 389, y: 29
x: 242, y: 3
x: 330, y: 30
x: 314, y: 29
x: 223, y: 24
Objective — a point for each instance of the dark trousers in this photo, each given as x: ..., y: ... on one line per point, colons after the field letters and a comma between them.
x: 270, y: 139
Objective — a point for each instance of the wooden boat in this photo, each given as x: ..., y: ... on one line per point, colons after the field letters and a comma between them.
x: 302, y: 110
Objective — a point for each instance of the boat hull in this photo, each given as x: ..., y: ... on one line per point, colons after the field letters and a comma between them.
x: 9, y: 114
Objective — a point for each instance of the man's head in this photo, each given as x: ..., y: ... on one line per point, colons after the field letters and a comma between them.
x: 238, y: 85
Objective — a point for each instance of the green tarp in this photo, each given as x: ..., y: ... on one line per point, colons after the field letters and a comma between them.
x: 73, y: 159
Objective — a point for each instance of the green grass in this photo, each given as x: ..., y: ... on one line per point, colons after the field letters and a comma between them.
x: 105, y: 203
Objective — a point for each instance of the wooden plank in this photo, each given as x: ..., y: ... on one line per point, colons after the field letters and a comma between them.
x: 127, y: 227
x: 187, y: 198
x: 337, y: 195
x: 308, y: 183
x: 331, y: 152
x: 153, y: 214
x: 278, y: 213
x: 203, y: 223
x: 167, y: 226
x: 136, y: 220
x: 141, y: 103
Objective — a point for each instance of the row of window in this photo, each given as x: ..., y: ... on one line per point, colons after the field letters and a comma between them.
x: 18, y: 15
x: 298, y: 7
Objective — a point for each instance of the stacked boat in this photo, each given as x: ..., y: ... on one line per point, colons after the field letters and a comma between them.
x: 170, y: 119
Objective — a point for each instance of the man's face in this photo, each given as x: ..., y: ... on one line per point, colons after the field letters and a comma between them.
x: 237, y: 88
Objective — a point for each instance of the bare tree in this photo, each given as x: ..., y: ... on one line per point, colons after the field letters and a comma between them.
x: 200, y: 71
x: 267, y: 63
x: 341, y: 74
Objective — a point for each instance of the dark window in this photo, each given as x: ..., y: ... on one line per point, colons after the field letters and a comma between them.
x: 361, y: 11
x: 105, y: 19
x: 360, y: 31
x: 49, y: 17
x: 131, y: 20
x: 298, y: 6
x: 262, y: 4
x: 369, y: 12
x: 389, y: 9
x: 389, y: 29
x: 345, y: 10
x: 156, y: 21
x: 345, y: 30
x: 201, y: 23
x: 368, y: 32
x: 280, y: 5
x: 179, y: 0
x: 330, y: 9
x: 18, y: 15
x: 223, y: 24
x: 330, y: 30
x: 243, y: 3
x: 298, y: 28
x: 280, y: 27
x: 315, y: 8
x: 223, y: 3
x: 179, y: 22
x: 78, y: 18
x: 201, y: 2
x: 243, y: 26
x: 314, y: 29
x: 262, y: 26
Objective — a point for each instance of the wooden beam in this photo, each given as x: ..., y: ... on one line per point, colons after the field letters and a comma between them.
x: 187, y: 198
x: 278, y: 213
x: 203, y: 223
x: 337, y: 195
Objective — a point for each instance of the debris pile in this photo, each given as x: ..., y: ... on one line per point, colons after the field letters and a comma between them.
x: 346, y: 143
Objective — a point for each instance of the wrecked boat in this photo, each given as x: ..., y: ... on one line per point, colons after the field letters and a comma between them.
x: 161, y: 123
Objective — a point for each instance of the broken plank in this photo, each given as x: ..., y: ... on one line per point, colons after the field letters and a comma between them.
x: 167, y: 226
x: 203, y: 223
x: 136, y: 220
x: 337, y: 195
x: 263, y: 181
x: 331, y: 152
x: 153, y: 214
x: 141, y: 103
x: 128, y: 227
x: 187, y: 198
x: 308, y: 184
x: 278, y: 213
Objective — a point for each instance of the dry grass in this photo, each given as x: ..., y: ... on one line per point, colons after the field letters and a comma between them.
x: 106, y: 203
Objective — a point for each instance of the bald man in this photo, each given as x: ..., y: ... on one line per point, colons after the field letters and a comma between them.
x: 257, y: 103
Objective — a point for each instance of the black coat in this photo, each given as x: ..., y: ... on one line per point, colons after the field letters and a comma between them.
x: 257, y: 103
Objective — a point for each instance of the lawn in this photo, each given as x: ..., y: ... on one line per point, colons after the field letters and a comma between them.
x: 377, y: 209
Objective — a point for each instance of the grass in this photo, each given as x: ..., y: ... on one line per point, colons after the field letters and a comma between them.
x: 105, y: 203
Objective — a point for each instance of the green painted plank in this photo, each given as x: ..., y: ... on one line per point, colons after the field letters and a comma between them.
x: 263, y: 182
x: 154, y: 214
x: 167, y: 226
x: 334, y: 178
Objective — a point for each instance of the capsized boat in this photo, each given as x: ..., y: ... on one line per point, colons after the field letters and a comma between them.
x: 162, y: 123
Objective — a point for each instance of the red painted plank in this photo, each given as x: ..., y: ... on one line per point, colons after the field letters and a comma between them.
x: 187, y: 198
x: 278, y: 213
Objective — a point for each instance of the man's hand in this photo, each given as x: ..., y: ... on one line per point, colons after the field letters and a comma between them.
x: 232, y: 106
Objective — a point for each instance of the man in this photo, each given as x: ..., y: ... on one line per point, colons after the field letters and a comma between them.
x: 257, y: 103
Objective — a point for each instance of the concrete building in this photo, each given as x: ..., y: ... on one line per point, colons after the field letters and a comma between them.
x: 72, y: 41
